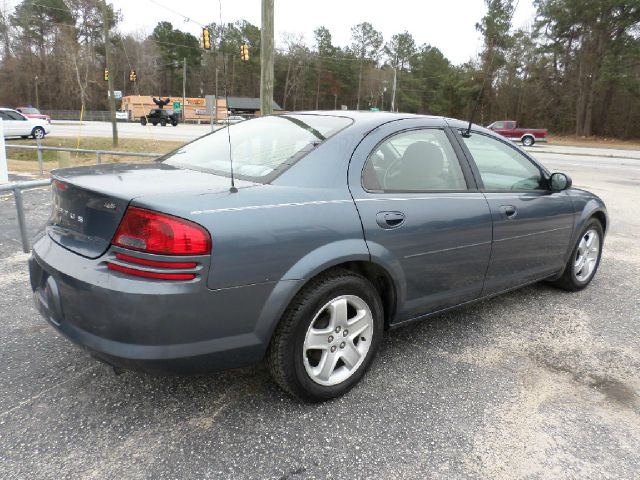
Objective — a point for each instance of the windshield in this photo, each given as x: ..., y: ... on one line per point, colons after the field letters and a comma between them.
x: 30, y: 111
x: 260, y: 147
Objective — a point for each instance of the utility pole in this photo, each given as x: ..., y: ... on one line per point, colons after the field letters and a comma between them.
x: 217, y: 102
x: 112, y: 97
x: 266, y: 58
x: 184, y: 85
x: 37, y: 99
x: 393, y: 92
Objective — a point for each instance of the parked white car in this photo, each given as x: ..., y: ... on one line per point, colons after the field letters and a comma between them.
x: 16, y: 124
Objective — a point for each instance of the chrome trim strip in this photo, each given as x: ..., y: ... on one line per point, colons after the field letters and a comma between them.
x: 436, y: 196
x: 277, y: 205
x: 534, y: 233
x: 448, y: 249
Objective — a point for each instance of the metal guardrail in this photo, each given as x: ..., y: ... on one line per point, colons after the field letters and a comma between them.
x: 98, y: 153
x: 17, y: 188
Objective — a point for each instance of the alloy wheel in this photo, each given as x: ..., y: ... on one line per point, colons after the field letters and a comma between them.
x: 586, y: 258
x: 338, y: 340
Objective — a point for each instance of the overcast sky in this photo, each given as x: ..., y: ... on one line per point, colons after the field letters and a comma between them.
x: 446, y: 24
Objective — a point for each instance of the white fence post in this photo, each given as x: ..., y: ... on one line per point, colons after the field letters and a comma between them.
x: 4, y: 170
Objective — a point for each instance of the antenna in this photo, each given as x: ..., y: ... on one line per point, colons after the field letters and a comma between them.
x: 484, y: 77
x: 233, y: 188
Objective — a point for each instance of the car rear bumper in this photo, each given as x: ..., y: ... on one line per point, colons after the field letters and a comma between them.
x: 158, y: 326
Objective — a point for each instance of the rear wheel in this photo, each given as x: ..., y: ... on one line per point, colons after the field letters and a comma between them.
x: 328, y: 337
x: 584, y: 260
x: 143, y: 121
x: 528, y: 141
x: 37, y: 132
x: 163, y: 122
x: 155, y: 124
x: 174, y: 123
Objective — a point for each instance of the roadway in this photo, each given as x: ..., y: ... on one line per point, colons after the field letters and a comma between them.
x: 536, y: 383
x: 183, y: 132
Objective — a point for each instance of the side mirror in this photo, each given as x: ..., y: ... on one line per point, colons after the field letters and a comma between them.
x: 559, y: 181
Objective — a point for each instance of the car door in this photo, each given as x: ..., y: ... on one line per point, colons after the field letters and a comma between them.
x: 6, y: 124
x: 531, y: 224
x: 18, y: 123
x: 422, y: 213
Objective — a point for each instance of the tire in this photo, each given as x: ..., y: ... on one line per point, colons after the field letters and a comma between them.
x: 155, y: 124
x: 143, y: 121
x: 163, y: 122
x: 573, y: 279
x: 24, y: 136
x: 308, y: 318
x: 38, y: 132
x: 528, y: 141
x: 174, y: 123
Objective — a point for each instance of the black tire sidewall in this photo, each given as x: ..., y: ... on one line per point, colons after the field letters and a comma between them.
x: 343, y: 285
x: 595, y: 225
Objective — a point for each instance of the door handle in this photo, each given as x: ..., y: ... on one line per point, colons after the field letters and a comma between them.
x: 509, y: 210
x: 390, y: 219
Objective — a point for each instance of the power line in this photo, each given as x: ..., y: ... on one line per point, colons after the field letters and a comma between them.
x: 186, y: 18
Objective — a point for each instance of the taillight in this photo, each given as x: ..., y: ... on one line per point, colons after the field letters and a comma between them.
x: 153, y: 232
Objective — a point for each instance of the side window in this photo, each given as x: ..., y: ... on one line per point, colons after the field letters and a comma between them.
x: 4, y: 116
x: 15, y: 116
x: 414, y: 161
x: 498, y: 125
x: 502, y: 167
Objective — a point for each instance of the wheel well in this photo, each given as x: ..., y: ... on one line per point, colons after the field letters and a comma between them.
x: 527, y: 135
x: 602, y: 218
x: 379, y: 278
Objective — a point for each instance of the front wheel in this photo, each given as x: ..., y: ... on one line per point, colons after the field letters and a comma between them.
x: 174, y: 123
x: 528, y: 141
x: 584, y: 260
x: 37, y: 132
x: 327, y: 338
x: 143, y: 121
x: 163, y: 122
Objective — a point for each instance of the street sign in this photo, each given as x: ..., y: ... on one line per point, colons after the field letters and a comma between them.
x: 176, y: 106
x: 117, y: 94
x: 210, y: 101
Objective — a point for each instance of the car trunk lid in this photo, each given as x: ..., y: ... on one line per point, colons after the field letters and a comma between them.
x: 89, y: 203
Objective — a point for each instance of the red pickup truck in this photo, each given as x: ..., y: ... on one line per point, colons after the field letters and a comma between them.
x: 528, y: 136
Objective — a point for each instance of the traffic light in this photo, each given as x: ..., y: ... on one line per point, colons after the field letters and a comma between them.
x: 106, y: 74
x: 206, y: 40
x: 244, y: 53
x: 133, y: 76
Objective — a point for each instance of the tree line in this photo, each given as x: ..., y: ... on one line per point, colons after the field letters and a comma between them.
x: 575, y: 70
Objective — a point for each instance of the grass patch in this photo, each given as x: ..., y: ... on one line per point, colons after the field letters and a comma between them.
x: 91, y: 143
x: 596, y: 142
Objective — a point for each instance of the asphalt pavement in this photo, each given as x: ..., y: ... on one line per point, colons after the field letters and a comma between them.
x: 183, y: 132
x: 537, y: 383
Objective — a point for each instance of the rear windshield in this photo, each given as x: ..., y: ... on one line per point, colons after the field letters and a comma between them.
x: 260, y: 147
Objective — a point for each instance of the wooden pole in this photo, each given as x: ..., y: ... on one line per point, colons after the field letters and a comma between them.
x: 266, y: 59
x: 184, y: 86
x: 112, y: 97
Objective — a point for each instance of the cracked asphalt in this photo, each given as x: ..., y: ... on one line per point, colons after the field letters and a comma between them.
x: 537, y: 383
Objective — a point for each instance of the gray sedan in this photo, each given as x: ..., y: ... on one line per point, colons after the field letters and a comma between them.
x: 299, y: 239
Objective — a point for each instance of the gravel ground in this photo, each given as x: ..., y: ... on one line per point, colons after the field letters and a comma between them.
x: 538, y: 383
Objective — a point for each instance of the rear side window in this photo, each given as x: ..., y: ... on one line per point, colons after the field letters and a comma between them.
x: 260, y: 148
x: 503, y: 167
x: 414, y: 161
